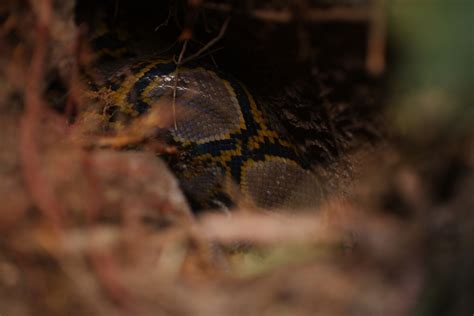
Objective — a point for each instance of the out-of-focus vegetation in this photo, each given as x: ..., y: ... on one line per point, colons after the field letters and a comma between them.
x: 434, y: 69
x: 432, y: 108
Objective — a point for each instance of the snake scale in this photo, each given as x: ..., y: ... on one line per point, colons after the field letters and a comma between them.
x: 230, y: 146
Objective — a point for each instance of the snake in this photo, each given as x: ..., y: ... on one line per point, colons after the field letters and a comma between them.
x: 230, y: 145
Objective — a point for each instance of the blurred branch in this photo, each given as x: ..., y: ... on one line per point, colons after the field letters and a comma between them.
x: 286, y: 15
x: 41, y: 193
x: 375, y: 59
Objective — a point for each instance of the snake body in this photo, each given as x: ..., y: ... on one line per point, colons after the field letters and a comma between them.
x: 229, y: 144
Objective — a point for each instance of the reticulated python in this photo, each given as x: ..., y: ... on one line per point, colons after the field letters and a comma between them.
x: 225, y: 137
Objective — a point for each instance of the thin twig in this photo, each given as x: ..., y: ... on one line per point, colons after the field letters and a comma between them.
x: 181, y: 60
x: 166, y: 49
x: 165, y: 22
x: 176, y: 79
x: 210, y: 43
x: 210, y: 53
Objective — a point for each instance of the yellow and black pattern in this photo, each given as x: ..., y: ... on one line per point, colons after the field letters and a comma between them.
x: 225, y: 138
